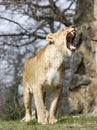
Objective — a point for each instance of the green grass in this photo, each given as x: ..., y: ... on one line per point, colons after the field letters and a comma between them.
x: 64, y: 123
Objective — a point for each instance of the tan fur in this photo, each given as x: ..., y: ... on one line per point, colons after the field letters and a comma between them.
x: 45, y: 72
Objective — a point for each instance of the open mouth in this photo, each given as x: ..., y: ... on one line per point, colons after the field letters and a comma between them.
x: 70, y: 40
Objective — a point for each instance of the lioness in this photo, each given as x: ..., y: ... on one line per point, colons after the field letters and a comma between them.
x: 45, y: 72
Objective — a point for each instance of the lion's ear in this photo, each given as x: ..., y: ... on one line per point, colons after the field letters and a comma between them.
x: 50, y: 37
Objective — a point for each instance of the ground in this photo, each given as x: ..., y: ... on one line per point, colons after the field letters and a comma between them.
x: 65, y: 123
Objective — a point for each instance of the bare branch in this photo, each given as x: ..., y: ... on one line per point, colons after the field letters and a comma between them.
x: 22, y: 34
x: 13, y: 34
x: 15, y: 2
x: 69, y: 6
x: 15, y: 23
x: 58, y: 15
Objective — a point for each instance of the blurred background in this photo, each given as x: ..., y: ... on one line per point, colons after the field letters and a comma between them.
x: 24, y: 25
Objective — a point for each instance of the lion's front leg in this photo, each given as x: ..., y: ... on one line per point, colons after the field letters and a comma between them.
x: 54, y: 103
x: 40, y: 106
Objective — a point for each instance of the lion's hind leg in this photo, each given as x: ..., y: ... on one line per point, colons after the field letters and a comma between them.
x: 28, y: 104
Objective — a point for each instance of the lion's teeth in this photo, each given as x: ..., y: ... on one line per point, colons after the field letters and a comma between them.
x: 72, y: 33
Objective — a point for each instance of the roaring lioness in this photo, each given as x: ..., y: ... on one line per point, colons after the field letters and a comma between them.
x: 45, y: 72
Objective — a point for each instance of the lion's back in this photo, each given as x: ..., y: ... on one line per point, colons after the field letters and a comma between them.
x: 28, y: 70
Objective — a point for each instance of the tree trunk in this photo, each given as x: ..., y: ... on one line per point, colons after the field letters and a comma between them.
x: 84, y: 11
x: 82, y: 95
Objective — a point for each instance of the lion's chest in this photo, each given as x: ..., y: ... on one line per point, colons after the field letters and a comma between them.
x: 52, y: 77
x: 53, y: 72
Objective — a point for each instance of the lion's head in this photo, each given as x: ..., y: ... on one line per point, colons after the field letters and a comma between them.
x: 63, y: 39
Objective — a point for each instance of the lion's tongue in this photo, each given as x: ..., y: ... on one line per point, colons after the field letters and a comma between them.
x: 72, y: 47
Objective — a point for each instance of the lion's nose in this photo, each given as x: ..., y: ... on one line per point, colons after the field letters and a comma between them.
x: 73, y: 26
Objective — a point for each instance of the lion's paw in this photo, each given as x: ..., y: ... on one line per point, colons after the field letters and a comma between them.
x: 28, y: 118
x: 53, y: 121
x: 44, y: 122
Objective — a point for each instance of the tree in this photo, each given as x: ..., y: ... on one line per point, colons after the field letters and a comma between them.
x: 82, y: 91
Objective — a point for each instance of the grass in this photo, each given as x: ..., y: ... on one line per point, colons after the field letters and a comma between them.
x: 64, y: 123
